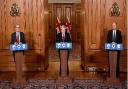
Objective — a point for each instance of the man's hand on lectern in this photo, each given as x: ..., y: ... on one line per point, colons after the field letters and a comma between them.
x: 17, y: 43
x: 114, y: 43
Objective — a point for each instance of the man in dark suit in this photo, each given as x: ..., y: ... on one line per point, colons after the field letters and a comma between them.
x: 17, y: 37
x: 114, y: 36
x: 63, y: 36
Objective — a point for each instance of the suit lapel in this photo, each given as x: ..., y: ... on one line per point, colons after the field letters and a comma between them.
x: 112, y: 35
x: 15, y: 36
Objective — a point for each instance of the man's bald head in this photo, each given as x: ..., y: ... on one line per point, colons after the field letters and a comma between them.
x: 17, y: 28
x: 114, y: 25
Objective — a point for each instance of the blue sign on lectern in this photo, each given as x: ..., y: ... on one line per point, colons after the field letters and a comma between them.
x: 113, y: 46
x: 63, y: 45
x: 18, y: 47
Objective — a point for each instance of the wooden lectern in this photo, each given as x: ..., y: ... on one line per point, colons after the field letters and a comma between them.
x: 18, y: 50
x: 113, y: 49
x: 64, y: 79
x: 64, y: 69
x: 64, y: 63
x: 19, y: 72
x: 112, y: 80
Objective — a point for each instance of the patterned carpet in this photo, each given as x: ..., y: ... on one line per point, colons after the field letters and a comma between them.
x: 50, y: 84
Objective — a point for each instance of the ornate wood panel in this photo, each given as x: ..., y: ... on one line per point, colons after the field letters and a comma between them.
x: 33, y: 22
x: 96, y: 21
x: 64, y: 1
x: 92, y: 28
x: 121, y: 19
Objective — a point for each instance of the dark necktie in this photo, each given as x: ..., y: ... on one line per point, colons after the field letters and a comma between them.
x: 114, y: 35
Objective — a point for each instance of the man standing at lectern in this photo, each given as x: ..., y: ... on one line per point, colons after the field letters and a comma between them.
x: 17, y: 37
x: 63, y: 36
x: 114, y: 36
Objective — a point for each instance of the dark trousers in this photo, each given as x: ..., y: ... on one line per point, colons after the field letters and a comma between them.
x: 118, y: 65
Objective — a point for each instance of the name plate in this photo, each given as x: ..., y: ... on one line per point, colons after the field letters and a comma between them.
x: 18, y: 47
x: 113, y: 46
x: 63, y: 45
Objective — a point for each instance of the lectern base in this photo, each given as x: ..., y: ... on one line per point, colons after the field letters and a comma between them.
x: 20, y: 83
x: 61, y: 81
x: 64, y: 79
x: 19, y: 80
x: 112, y: 82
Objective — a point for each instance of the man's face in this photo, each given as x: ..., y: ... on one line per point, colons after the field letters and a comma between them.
x: 63, y: 29
x: 114, y: 26
x: 17, y: 29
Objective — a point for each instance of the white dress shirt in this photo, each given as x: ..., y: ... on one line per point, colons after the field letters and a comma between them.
x: 114, y: 33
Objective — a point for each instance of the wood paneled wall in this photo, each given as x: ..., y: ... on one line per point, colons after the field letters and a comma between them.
x: 33, y: 22
x: 96, y: 21
x: 91, y: 29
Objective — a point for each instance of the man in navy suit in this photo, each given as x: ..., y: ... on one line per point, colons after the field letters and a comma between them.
x: 63, y: 36
x: 114, y: 36
x: 17, y: 37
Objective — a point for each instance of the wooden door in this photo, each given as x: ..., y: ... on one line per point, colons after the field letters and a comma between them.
x: 62, y: 11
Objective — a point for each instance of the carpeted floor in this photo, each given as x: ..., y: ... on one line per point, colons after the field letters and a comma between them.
x: 50, y: 84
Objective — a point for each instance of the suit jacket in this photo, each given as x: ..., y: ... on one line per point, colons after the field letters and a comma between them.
x: 118, y: 38
x: 66, y: 39
x: 13, y: 38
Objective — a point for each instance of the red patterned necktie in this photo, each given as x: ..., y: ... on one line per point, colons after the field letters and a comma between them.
x: 17, y: 39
